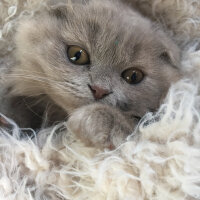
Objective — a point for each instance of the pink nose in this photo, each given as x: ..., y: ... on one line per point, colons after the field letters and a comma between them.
x: 98, y: 92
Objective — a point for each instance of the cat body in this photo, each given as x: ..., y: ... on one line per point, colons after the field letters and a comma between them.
x: 100, y: 62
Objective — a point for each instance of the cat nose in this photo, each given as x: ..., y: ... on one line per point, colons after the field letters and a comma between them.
x: 98, y: 92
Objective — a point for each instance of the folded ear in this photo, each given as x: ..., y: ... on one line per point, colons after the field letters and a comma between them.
x: 171, y: 56
x: 61, y: 9
x: 171, y: 52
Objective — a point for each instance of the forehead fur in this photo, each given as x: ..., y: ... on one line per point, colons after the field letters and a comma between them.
x: 107, y: 28
x: 110, y: 32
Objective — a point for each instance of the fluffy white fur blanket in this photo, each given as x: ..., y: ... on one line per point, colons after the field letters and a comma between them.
x: 163, y: 163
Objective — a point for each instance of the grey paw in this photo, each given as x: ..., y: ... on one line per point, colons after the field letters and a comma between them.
x: 99, y: 125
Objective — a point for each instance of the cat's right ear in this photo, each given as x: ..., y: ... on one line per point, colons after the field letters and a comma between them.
x: 60, y: 12
x: 62, y: 9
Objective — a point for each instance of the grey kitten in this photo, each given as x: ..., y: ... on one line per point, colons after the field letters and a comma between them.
x: 100, y: 61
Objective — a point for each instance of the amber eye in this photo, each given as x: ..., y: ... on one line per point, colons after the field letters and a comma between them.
x: 132, y: 75
x: 78, y: 55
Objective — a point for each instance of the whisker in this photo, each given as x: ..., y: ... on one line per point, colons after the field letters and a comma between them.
x: 57, y: 85
x: 31, y: 77
x: 56, y: 93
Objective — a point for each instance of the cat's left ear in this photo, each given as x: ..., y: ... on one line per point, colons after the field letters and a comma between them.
x: 171, y: 52
x: 171, y: 55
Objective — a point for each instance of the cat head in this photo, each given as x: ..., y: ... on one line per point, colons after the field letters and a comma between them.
x: 97, y: 51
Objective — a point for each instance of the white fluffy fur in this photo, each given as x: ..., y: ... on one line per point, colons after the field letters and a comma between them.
x: 162, y: 163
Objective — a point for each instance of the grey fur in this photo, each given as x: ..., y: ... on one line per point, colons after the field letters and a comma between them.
x: 116, y: 38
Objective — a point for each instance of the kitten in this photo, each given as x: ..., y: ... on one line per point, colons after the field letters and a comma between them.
x: 102, y: 62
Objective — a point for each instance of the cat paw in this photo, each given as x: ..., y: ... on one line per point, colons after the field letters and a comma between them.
x: 99, y: 125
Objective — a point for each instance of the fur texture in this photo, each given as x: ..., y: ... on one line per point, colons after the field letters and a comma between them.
x: 117, y: 39
x: 163, y: 163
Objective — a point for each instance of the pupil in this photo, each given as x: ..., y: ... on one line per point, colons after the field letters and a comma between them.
x: 134, y: 76
x: 78, y: 54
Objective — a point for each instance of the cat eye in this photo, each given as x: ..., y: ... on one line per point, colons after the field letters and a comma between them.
x: 132, y: 75
x: 78, y: 55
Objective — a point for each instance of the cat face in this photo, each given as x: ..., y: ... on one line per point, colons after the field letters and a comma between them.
x: 100, y: 51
